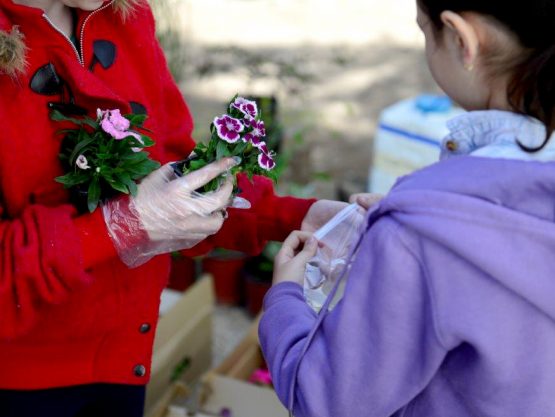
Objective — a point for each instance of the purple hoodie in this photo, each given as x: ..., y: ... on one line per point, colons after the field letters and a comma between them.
x: 449, y: 309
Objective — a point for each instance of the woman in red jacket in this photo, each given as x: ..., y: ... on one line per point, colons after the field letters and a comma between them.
x: 76, y: 323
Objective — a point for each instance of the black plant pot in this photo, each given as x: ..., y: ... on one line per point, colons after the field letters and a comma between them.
x: 78, y: 196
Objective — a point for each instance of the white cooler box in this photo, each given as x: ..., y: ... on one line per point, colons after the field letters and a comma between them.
x: 408, y: 138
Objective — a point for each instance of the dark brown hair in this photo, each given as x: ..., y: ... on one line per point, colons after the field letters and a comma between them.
x: 532, y: 83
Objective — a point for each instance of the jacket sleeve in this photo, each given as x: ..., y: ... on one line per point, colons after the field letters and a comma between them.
x: 374, y: 352
x: 271, y: 217
x: 40, y: 263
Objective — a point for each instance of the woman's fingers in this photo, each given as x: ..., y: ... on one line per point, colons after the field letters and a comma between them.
x: 217, y: 200
x: 203, y: 176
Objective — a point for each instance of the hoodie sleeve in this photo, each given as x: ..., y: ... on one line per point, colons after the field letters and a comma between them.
x: 374, y: 352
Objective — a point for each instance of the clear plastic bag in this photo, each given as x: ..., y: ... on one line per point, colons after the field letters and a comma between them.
x: 337, y: 238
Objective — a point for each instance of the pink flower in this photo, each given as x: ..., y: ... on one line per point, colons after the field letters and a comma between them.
x: 113, y: 123
x: 228, y: 128
x: 261, y: 376
x: 82, y: 162
x: 266, y: 162
x: 247, y: 107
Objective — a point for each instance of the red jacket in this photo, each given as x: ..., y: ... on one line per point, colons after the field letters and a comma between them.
x: 70, y: 311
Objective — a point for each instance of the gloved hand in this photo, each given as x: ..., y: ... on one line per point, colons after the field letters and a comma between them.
x: 167, y: 214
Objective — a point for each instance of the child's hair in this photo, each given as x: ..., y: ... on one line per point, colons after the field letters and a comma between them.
x: 532, y: 71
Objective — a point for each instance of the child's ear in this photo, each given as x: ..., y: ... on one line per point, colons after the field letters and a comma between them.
x: 465, y: 36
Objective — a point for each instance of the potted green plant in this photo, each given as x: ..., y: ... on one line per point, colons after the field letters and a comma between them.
x: 257, y: 277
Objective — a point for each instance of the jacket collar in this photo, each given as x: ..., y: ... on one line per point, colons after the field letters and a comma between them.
x: 12, y: 39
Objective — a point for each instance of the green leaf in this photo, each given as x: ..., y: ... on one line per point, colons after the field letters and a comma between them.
x: 197, y: 164
x: 57, y: 116
x: 136, y: 119
x: 119, y: 186
x: 222, y: 150
x: 93, y: 194
x: 239, y: 149
x: 72, y: 179
x: 81, y: 145
x: 147, y: 141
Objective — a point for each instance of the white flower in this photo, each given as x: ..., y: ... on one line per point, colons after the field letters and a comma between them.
x: 82, y: 162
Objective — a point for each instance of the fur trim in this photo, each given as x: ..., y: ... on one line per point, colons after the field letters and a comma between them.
x: 12, y: 52
x: 125, y: 7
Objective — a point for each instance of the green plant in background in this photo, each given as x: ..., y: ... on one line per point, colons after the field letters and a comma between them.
x: 261, y: 267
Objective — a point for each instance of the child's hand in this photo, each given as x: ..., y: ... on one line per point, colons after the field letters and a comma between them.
x: 290, y: 262
x: 365, y: 200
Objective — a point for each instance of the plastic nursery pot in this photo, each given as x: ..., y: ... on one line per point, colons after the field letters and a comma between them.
x: 183, y: 272
x: 255, y: 290
x: 257, y: 280
x: 78, y: 196
x: 225, y: 268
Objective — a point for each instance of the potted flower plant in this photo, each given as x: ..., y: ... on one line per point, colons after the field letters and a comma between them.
x: 103, y: 157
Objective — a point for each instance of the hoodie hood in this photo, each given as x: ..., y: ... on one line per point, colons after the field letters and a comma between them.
x: 12, y: 40
x: 498, y: 215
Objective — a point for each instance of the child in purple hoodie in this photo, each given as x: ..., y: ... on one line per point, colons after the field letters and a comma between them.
x: 449, y: 308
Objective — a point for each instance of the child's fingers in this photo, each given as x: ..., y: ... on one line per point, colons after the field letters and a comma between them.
x: 309, y: 250
x: 365, y: 200
x: 291, y: 245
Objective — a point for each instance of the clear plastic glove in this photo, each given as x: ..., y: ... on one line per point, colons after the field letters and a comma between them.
x: 167, y: 213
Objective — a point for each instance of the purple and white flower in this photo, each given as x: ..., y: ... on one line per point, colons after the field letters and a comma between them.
x: 247, y: 107
x: 82, y: 162
x: 263, y: 148
x: 228, y: 128
x: 256, y: 134
x: 265, y: 161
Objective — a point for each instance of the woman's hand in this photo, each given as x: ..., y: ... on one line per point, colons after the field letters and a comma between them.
x: 291, y: 260
x: 168, y: 214
x: 170, y: 209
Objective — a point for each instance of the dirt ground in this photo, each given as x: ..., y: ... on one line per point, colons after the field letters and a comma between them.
x: 334, y: 65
